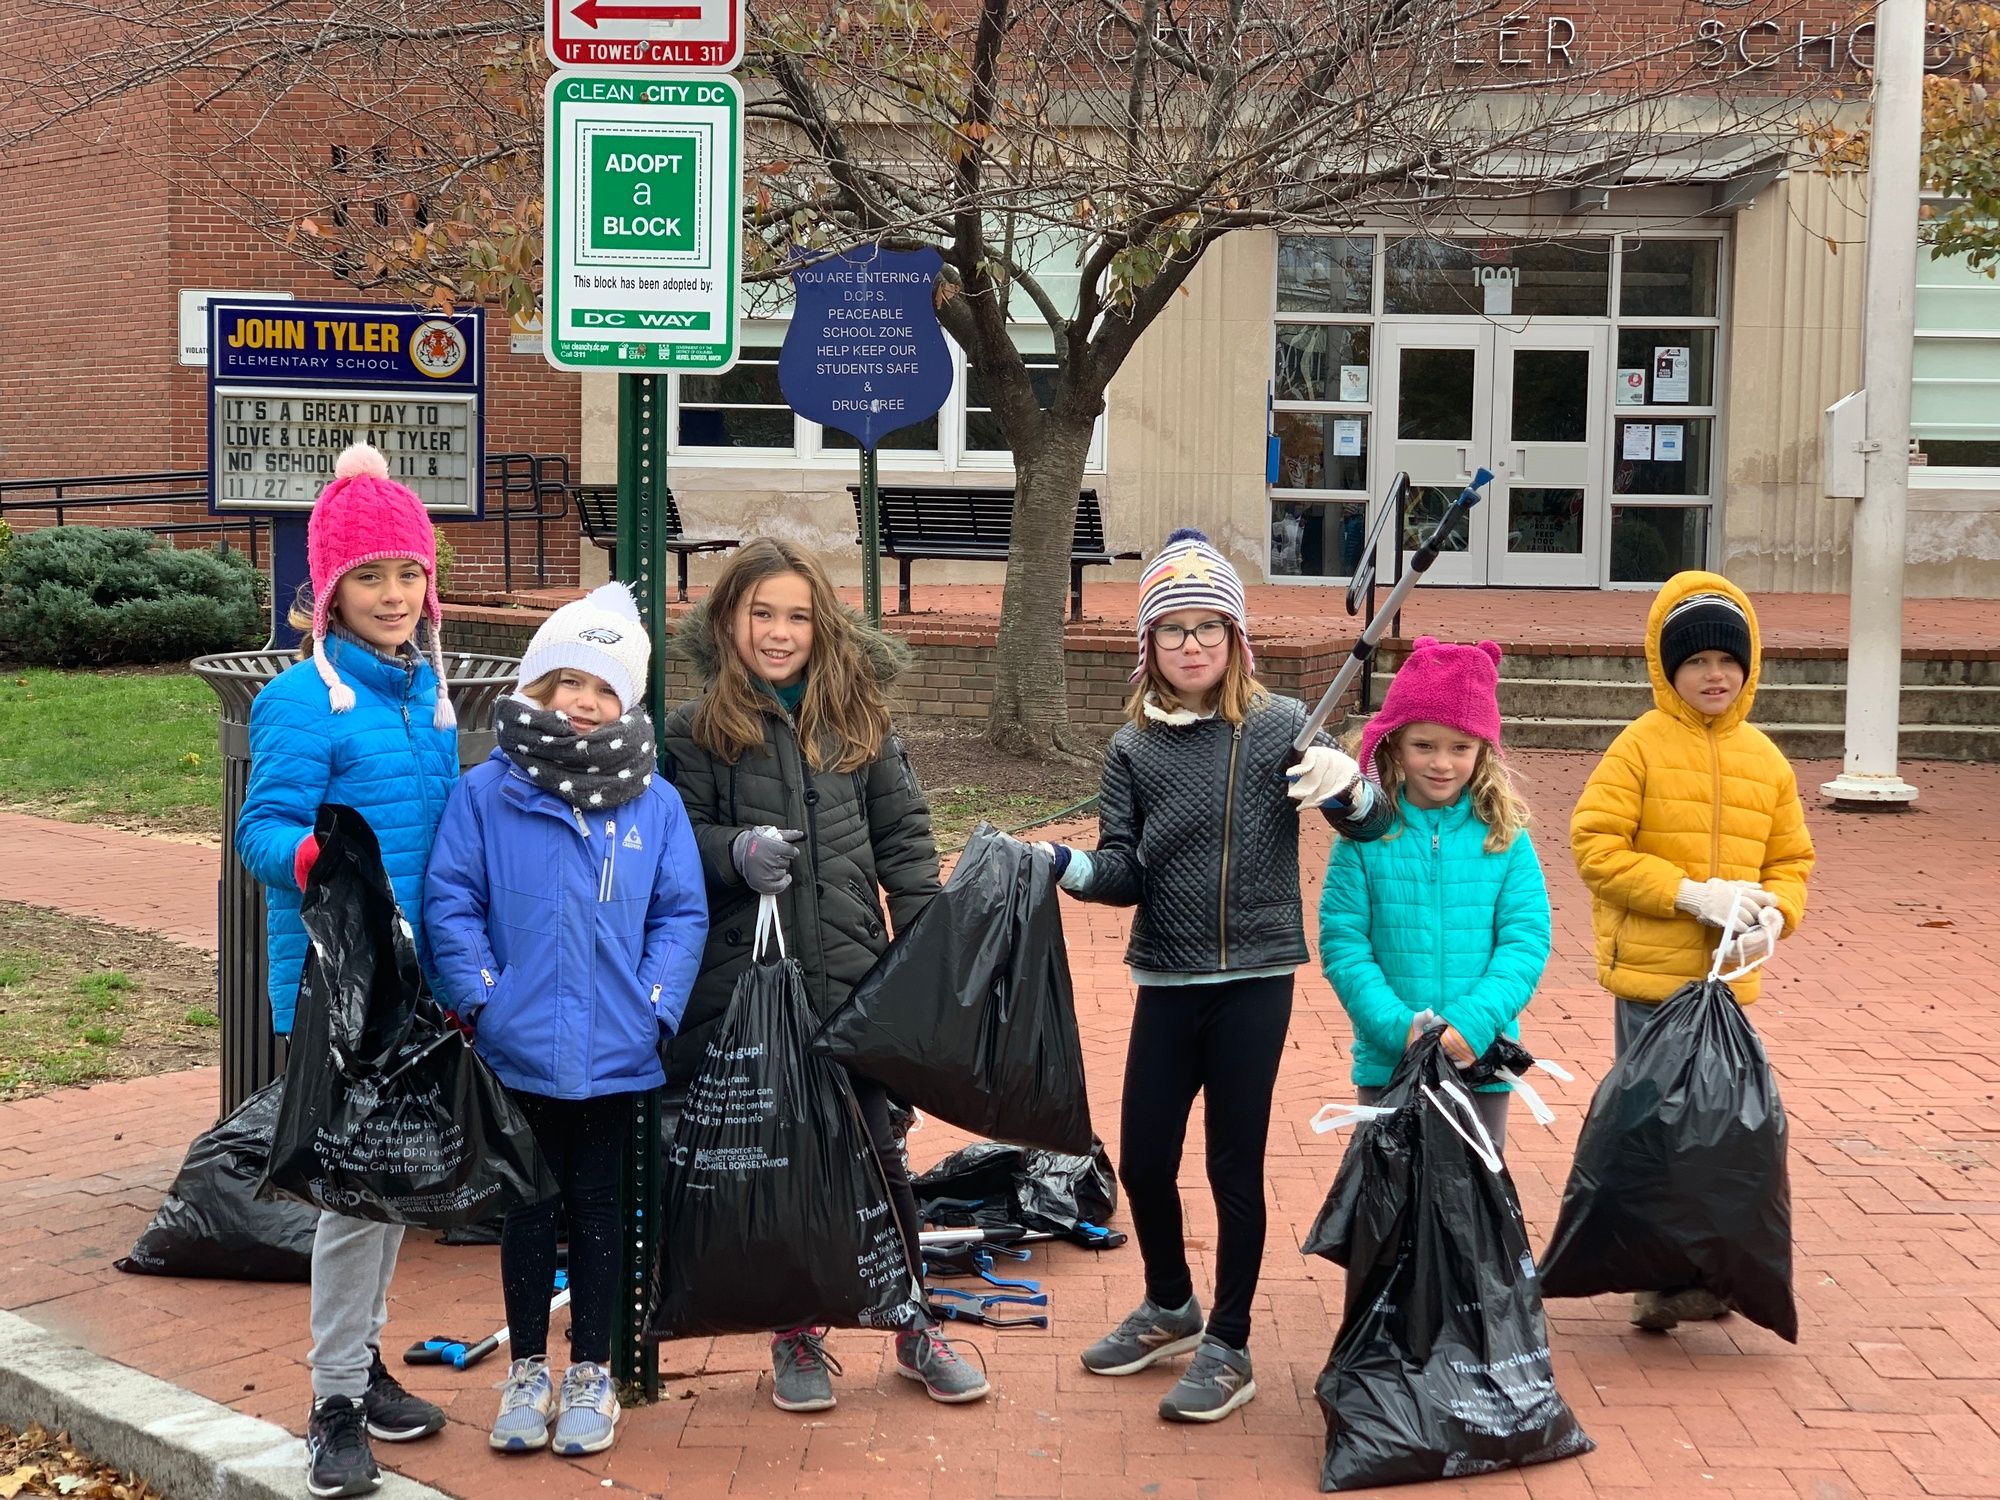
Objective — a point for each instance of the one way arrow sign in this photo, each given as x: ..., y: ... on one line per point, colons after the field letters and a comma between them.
x: 688, y: 36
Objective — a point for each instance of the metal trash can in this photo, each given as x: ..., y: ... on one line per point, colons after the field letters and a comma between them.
x: 252, y: 1054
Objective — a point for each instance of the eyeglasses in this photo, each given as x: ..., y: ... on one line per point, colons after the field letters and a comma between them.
x: 1207, y: 633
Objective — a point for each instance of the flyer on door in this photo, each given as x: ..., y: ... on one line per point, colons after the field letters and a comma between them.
x: 1670, y: 373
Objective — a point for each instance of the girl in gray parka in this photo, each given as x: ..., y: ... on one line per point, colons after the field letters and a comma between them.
x: 797, y: 787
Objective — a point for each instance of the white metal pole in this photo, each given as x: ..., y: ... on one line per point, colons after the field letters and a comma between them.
x: 1875, y: 630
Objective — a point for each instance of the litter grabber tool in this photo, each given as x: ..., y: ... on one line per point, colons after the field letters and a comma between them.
x: 1364, y: 648
x: 460, y: 1354
x: 950, y: 1305
x: 975, y: 1260
x: 977, y: 1234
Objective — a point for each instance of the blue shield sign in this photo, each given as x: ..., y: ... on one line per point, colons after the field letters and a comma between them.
x: 864, y: 354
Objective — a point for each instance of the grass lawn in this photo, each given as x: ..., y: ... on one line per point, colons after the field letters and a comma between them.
x: 133, y: 749
x: 81, y: 1001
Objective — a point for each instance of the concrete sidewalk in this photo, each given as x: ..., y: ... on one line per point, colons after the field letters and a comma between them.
x: 1883, y: 1017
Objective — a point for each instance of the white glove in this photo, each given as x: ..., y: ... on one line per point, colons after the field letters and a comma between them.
x: 1711, y: 901
x: 1759, y: 943
x: 1323, y: 774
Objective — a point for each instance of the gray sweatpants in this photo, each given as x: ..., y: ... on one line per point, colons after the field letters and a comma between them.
x: 1629, y: 1018
x: 353, y: 1260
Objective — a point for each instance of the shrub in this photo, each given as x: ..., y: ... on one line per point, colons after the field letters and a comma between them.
x: 87, y: 595
x: 6, y: 542
x: 447, y: 558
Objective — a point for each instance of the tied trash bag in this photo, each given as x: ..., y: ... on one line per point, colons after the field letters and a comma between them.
x: 778, y: 1214
x: 388, y: 1113
x: 969, y: 1015
x: 1680, y: 1177
x: 1441, y: 1368
x: 212, y: 1222
x: 1047, y: 1192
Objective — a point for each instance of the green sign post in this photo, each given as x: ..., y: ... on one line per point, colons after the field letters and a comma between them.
x: 644, y: 196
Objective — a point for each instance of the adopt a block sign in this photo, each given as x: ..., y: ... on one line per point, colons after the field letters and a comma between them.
x: 644, y: 195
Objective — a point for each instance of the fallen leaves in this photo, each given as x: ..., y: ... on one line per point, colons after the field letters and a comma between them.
x: 37, y: 1462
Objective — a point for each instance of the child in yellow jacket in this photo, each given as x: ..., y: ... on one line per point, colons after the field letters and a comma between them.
x: 1690, y: 809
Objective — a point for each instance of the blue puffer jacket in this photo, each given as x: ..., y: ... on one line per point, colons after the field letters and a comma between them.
x: 1426, y: 919
x: 570, y: 940
x: 382, y: 758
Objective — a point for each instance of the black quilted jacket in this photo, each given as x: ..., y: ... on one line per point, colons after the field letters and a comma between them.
x: 868, y: 833
x: 1196, y: 831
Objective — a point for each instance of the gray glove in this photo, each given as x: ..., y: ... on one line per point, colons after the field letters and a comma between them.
x: 1711, y: 901
x: 764, y: 856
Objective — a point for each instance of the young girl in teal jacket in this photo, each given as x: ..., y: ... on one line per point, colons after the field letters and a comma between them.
x: 1446, y: 918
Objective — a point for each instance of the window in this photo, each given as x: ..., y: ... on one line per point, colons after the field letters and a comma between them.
x: 1955, y: 379
x: 742, y: 409
x: 1663, y: 459
x: 1322, y: 391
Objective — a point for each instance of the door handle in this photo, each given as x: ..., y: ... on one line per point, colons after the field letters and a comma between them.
x: 1464, y: 462
x: 1520, y: 462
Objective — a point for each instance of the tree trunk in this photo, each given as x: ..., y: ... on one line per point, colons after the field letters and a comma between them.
x: 1030, y: 713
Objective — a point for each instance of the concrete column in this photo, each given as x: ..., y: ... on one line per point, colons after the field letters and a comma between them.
x: 1875, y: 630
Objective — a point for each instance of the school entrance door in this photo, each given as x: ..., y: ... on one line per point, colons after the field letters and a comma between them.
x: 1525, y: 401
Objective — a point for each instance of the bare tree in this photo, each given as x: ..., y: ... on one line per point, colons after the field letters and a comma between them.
x: 1137, y: 133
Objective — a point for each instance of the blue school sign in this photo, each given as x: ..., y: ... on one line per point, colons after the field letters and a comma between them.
x: 864, y: 354
x: 290, y: 384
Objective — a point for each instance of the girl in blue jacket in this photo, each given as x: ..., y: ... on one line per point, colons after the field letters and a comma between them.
x: 363, y: 722
x: 1446, y: 918
x: 567, y: 917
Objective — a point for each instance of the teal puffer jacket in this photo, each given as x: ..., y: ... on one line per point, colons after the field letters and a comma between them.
x: 1426, y: 919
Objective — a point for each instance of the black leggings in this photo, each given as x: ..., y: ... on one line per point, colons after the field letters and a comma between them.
x: 583, y: 1141
x: 1224, y: 1041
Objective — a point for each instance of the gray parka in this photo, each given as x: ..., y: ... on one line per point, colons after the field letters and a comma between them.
x: 867, y: 832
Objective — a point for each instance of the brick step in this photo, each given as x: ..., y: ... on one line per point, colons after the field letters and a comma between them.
x: 1964, y: 742
x: 1619, y: 666
x: 1778, y: 703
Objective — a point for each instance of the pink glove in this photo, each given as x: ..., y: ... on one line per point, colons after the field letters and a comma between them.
x: 302, y: 860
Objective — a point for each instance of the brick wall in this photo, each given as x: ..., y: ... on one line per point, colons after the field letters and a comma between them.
x: 951, y: 675
x: 105, y: 227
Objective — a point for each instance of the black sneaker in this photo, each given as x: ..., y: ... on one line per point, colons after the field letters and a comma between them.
x: 394, y: 1415
x: 338, y: 1459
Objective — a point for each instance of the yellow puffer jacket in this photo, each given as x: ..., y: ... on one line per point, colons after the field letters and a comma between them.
x: 1683, y: 796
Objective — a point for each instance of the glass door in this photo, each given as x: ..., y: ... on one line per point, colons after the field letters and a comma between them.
x: 1547, y: 504
x: 1435, y: 413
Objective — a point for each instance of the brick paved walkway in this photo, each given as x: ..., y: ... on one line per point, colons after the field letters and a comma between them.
x: 1514, y: 617
x: 1883, y: 1017
x: 160, y: 885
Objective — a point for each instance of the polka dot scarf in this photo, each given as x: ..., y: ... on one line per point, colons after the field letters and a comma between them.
x: 605, y: 768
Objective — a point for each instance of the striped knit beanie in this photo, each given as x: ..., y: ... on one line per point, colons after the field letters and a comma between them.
x: 1189, y: 573
x: 1704, y: 622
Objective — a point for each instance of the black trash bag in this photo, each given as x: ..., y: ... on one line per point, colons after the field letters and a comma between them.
x: 213, y: 1223
x: 969, y: 1015
x: 1441, y: 1368
x: 1680, y: 1178
x: 1047, y: 1191
x: 777, y: 1212
x: 388, y: 1113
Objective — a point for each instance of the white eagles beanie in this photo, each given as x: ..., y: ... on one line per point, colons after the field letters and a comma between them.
x: 600, y: 634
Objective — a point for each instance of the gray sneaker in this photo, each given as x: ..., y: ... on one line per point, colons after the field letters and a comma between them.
x: 1215, y: 1383
x: 799, y: 1371
x: 527, y: 1399
x: 925, y: 1356
x: 1149, y: 1334
x: 589, y: 1419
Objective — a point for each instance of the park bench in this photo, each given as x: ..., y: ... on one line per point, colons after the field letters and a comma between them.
x: 944, y: 522
x: 597, y: 516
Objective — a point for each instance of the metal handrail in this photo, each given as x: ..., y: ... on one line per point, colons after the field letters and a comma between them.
x: 542, y: 478
x: 1395, y: 503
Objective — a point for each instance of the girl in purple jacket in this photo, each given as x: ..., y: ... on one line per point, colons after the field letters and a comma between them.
x: 566, y: 915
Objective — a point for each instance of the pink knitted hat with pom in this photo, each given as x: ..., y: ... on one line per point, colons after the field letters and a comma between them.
x: 364, y: 516
x: 1439, y: 683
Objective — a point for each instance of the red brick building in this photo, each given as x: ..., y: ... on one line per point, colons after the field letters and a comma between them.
x: 110, y: 218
